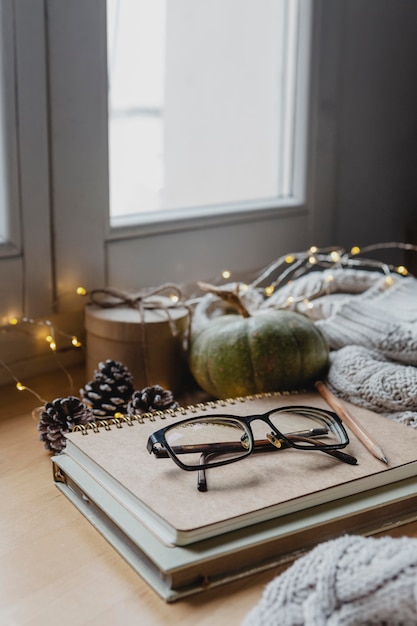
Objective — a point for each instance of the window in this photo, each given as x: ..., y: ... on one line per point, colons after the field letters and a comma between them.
x: 202, y: 105
x: 56, y: 214
x: 180, y: 246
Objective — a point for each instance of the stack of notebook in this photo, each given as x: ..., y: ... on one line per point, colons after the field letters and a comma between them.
x: 257, y: 513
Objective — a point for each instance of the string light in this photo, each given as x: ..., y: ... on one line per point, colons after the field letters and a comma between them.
x: 292, y: 266
x: 402, y: 270
x: 81, y: 291
x: 226, y: 274
x: 19, y: 385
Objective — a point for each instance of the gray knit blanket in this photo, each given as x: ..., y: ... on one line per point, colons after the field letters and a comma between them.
x: 370, y: 324
x: 349, y: 581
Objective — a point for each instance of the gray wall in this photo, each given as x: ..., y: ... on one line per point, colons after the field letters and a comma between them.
x: 375, y: 142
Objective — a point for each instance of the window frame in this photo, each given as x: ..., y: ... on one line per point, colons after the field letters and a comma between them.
x: 26, y: 259
x: 10, y: 236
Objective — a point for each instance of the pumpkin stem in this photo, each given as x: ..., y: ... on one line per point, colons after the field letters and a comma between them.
x: 228, y: 295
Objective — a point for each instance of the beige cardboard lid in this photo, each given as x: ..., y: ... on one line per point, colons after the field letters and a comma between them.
x: 123, y: 323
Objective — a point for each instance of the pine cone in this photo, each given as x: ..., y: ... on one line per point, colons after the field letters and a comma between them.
x: 59, y: 417
x: 110, y: 390
x: 153, y: 398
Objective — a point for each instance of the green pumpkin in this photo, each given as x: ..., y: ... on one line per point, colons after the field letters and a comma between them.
x: 268, y: 351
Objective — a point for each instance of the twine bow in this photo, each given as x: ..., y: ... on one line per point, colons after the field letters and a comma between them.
x: 109, y: 298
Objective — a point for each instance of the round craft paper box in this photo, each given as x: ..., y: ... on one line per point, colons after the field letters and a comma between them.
x: 147, y: 346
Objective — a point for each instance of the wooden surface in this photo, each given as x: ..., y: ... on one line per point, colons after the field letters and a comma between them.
x: 55, y: 568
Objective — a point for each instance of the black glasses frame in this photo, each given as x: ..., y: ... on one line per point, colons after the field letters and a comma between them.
x: 157, y: 443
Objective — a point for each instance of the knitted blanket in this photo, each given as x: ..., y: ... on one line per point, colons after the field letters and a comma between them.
x: 345, y: 582
x: 371, y: 327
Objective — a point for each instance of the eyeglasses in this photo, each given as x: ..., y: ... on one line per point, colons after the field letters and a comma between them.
x: 201, y: 443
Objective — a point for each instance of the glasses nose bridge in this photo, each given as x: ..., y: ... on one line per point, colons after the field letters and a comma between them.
x: 261, y: 417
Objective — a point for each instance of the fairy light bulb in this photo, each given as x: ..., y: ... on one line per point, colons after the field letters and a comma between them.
x: 312, y: 260
x: 269, y: 290
x: 355, y: 250
x: 75, y: 342
x: 81, y: 291
x: 226, y: 274
x: 49, y: 338
x: 289, y: 259
x: 313, y: 249
x: 335, y: 256
x: 52, y: 345
x: 401, y: 269
x: 20, y: 386
x: 173, y: 297
x: 13, y: 321
x: 389, y: 280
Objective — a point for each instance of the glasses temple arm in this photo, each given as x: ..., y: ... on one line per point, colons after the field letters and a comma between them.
x: 338, y: 454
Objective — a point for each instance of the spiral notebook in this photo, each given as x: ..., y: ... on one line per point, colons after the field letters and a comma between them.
x: 164, y: 499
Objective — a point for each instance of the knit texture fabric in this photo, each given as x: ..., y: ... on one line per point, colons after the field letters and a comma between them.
x: 370, y: 325
x: 373, y: 338
x: 384, y: 318
x: 348, y: 581
x: 368, y: 379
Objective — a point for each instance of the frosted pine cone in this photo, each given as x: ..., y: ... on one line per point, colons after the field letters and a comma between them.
x: 153, y: 398
x: 110, y: 390
x: 59, y: 417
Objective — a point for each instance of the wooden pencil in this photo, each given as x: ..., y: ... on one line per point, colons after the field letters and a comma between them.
x: 341, y: 410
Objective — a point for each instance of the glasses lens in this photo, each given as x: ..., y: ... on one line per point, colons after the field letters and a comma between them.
x: 310, y: 429
x: 208, y: 440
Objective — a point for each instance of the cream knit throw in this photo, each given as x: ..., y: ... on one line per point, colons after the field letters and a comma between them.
x: 373, y: 338
x: 371, y: 327
x: 349, y: 581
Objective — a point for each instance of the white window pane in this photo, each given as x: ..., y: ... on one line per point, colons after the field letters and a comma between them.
x: 201, y: 102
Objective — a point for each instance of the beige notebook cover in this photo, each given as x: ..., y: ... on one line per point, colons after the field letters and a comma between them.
x: 258, y: 488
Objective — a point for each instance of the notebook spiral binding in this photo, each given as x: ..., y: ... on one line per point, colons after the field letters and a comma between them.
x: 139, y: 418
